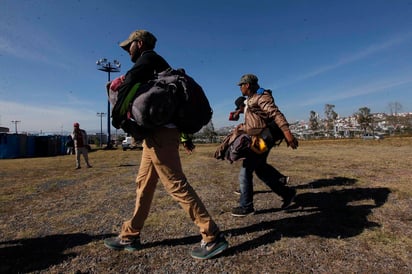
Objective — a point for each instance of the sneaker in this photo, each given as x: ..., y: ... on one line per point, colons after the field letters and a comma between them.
x: 116, y: 243
x: 242, y: 211
x: 237, y: 191
x: 209, y: 250
x: 288, y: 199
x: 284, y: 180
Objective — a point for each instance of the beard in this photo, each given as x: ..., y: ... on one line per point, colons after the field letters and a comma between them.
x: 135, y: 55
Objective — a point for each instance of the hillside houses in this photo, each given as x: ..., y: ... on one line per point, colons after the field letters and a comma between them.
x: 348, y: 127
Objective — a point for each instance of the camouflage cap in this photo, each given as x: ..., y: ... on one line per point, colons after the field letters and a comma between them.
x: 143, y: 35
x: 248, y: 79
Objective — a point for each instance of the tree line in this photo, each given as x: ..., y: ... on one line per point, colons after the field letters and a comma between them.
x: 364, y: 117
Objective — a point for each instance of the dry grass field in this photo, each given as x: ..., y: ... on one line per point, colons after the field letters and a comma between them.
x: 352, y: 213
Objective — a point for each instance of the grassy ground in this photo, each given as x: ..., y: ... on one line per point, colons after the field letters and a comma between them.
x: 352, y: 213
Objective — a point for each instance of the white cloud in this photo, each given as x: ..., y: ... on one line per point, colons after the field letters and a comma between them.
x: 355, y: 56
x: 333, y: 95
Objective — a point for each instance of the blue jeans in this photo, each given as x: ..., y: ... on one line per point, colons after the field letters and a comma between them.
x: 268, y: 174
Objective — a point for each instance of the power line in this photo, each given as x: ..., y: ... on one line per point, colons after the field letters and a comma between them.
x: 15, y: 122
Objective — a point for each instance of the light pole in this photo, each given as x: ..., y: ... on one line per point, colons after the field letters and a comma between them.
x: 101, y: 114
x: 107, y: 66
x: 15, y: 124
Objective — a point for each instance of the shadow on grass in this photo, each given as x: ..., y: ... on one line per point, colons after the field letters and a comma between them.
x: 28, y: 255
x: 335, y: 214
x: 336, y: 181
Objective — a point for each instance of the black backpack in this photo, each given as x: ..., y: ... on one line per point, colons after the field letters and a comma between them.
x: 172, y: 96
x: 193, y: 110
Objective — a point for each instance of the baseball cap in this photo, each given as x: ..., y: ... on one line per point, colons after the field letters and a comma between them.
x: 137, y: 35
x: 240, y: 102
x: 248, y: 79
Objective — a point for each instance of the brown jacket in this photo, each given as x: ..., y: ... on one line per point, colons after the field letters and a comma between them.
x: 261, y: 110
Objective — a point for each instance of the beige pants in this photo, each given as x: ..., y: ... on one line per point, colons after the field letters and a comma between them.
x: 161, y: 160
x: 85, y: 153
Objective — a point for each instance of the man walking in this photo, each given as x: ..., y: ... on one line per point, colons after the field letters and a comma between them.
x: 161, y: 160
x: 260, y: 114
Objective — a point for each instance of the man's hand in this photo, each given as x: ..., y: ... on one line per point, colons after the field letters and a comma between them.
x: 291, y: 140
x: 189, y: 146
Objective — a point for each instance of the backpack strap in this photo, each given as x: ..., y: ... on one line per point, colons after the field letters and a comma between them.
x: 260, y: 91
x: 129, y: 99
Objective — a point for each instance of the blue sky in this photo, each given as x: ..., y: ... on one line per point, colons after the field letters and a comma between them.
x: 309, y: 53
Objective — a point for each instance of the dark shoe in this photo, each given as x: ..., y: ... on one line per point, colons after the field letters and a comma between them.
x: 288, y: 199
x: 89, y: 166
x: 237, y: 191
x: 242, y: 211
x: 284, y: 180
x: 78, y: 167
x: 209, y: 250
x: 116, y: 243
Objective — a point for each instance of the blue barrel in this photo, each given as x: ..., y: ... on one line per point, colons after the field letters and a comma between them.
x: 31, y: 146
x: 9, y: 146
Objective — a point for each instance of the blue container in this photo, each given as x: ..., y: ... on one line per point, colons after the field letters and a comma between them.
x: 63, y: 148
x: 9, y: 146
x: 41, y: 146
x: 31, y: 146
x: 22, y: 145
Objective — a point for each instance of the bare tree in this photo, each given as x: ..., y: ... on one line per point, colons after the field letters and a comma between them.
x: 330, y: 115
x: 364, y: 118
x: 394, y: 119
x: 314, y: 120
x: 394, y: 108
x: 209, y: 132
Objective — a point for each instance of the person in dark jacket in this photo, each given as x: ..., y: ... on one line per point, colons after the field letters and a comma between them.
x: 69, y: 145
x: 161, y: 160
x: 80, y: 145
x: 260, y: 111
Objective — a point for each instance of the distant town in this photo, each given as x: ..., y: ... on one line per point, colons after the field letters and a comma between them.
x: 360, y: 124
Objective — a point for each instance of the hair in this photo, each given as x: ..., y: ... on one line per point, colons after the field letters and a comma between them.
x: 254, y: 87
x: 148, y: 38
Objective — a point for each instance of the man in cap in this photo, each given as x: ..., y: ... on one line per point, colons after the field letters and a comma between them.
x: 260, y: 112
x: 81, y: 144
x: 161, y: 160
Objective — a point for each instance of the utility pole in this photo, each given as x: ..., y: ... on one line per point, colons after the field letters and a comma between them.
x: 104, y: 65
x: 101, y: 114
x: 15, y: 122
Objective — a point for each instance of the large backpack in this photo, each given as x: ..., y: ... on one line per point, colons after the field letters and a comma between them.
x: 172, y: 96
x: 193, y: 110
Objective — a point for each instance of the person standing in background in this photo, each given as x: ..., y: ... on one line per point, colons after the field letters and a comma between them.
x: 69, y: 145
x: 80, y: 145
